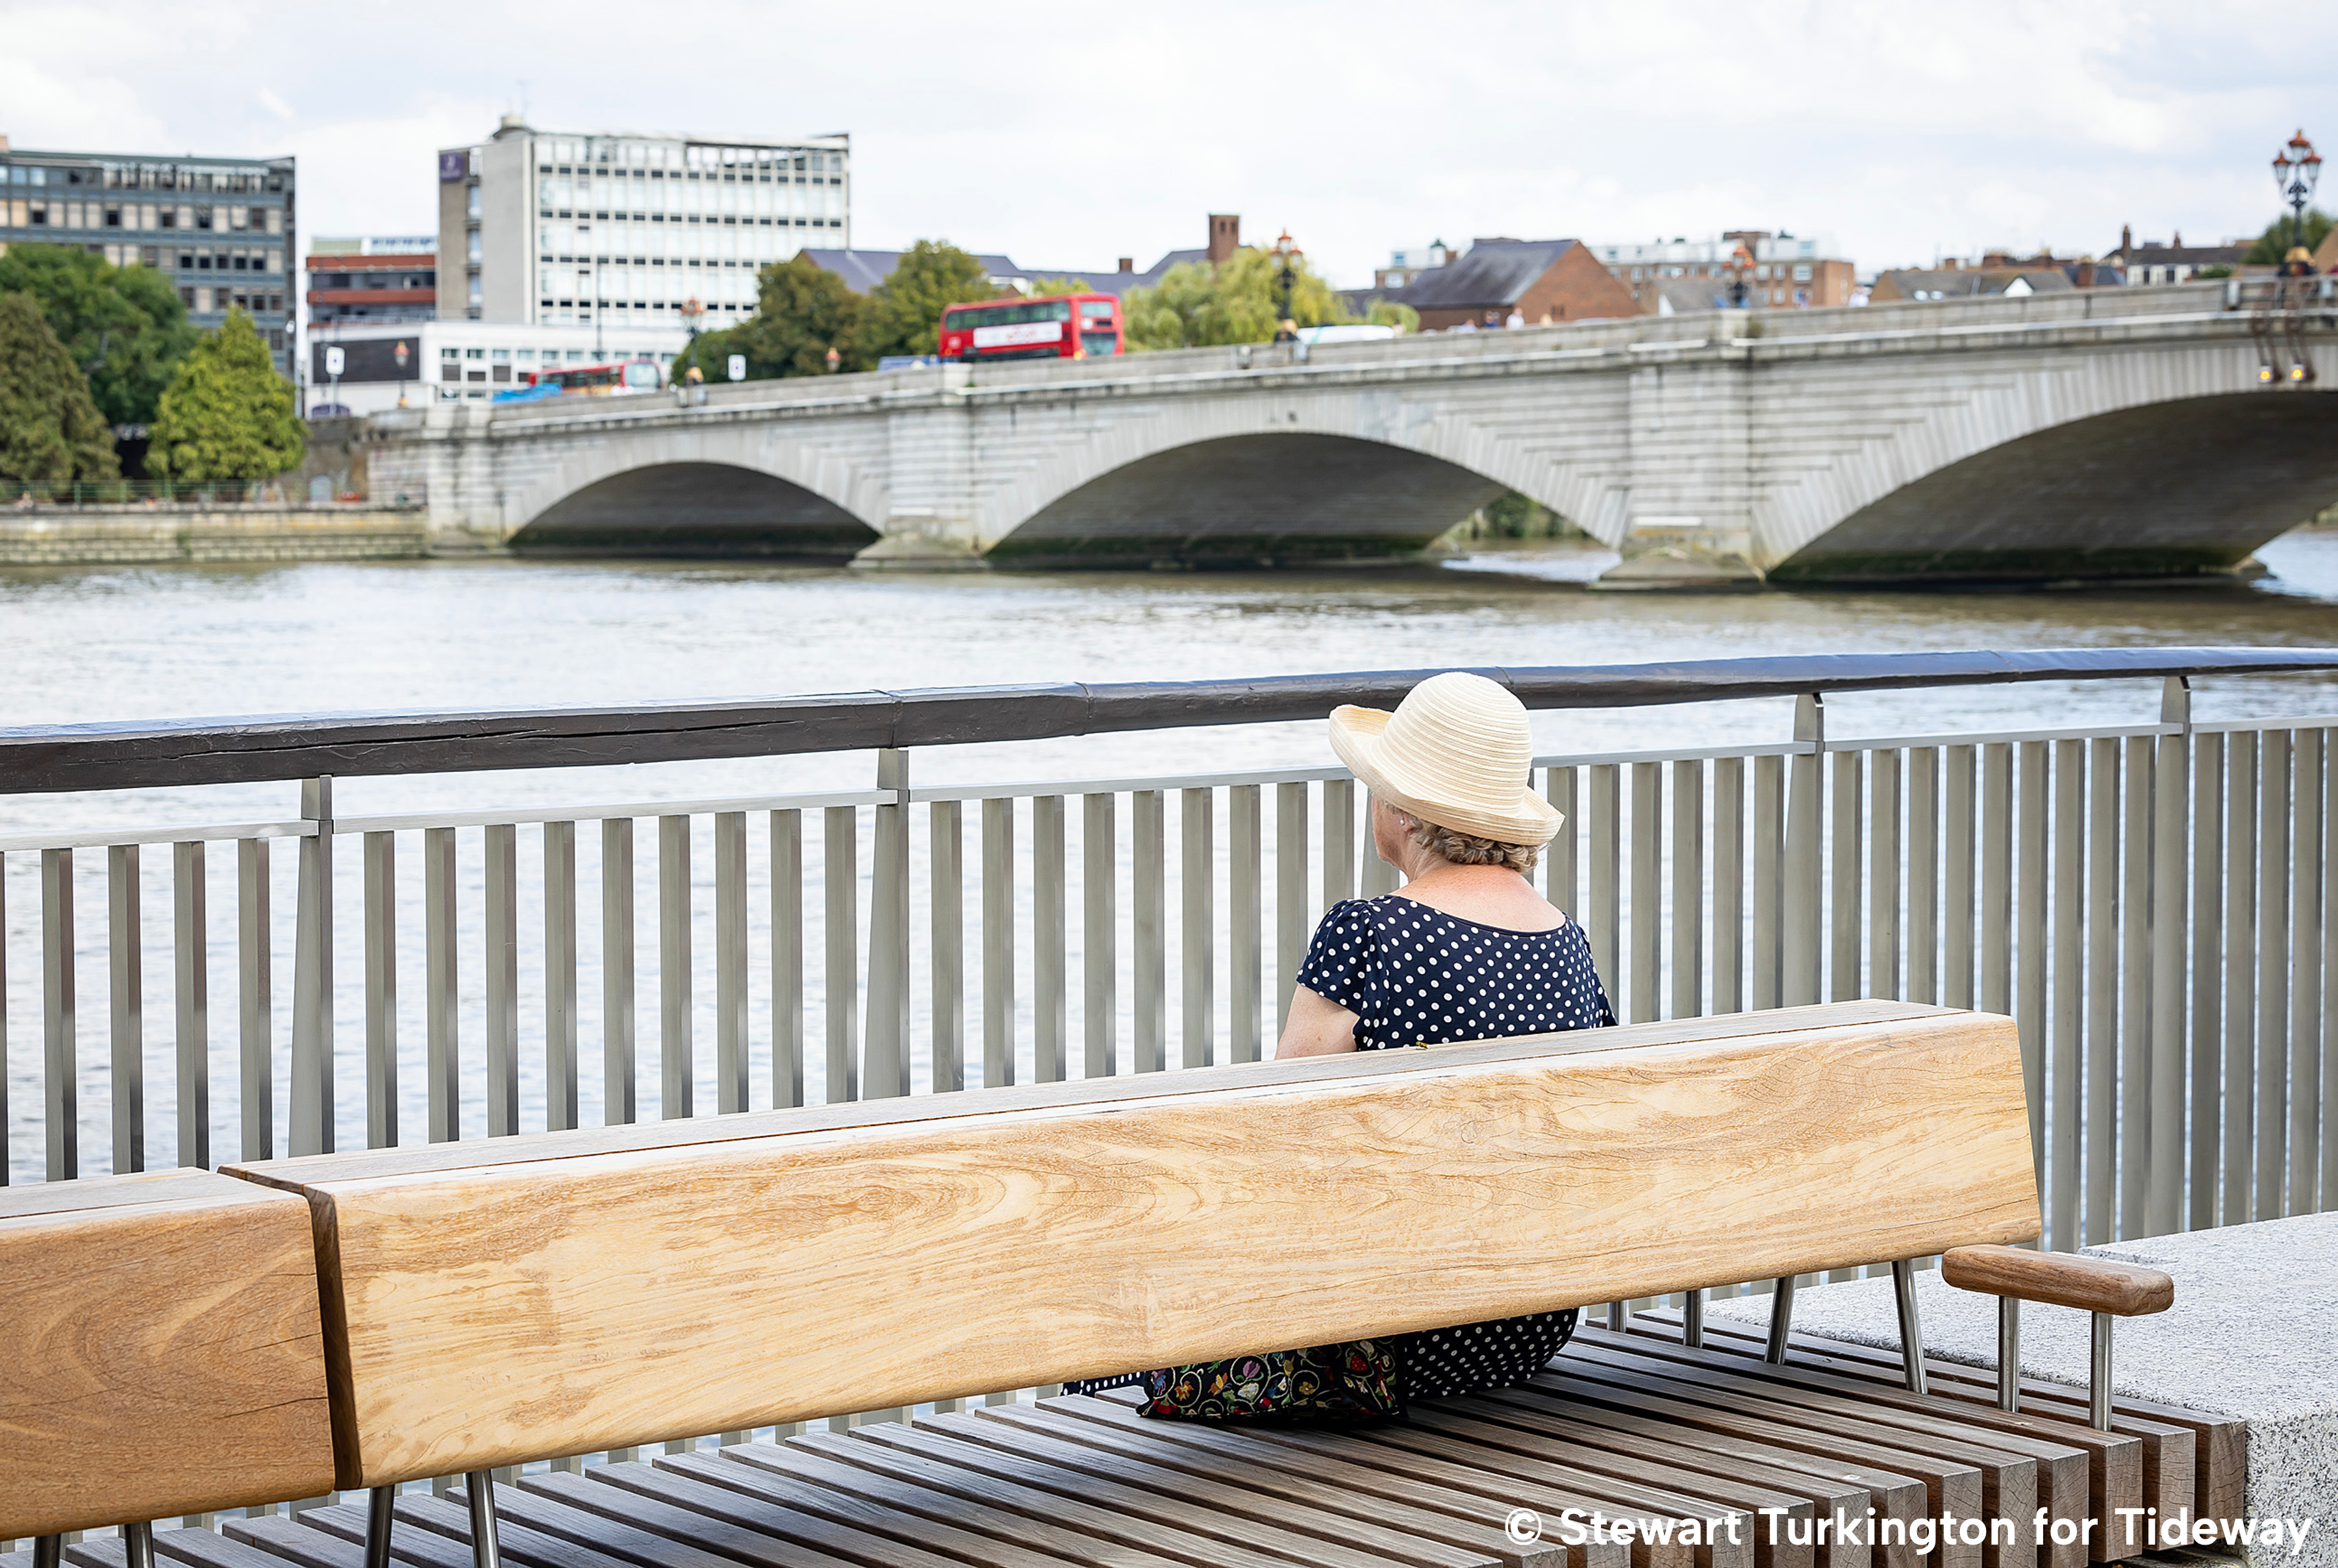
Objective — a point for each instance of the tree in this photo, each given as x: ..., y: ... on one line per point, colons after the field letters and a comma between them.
x: 50, y: 431
x: 803, y: 310
x: 1062, y: 286
x: 2274, y: 242
x: 123, y: 327
x: 1195, y: 304
x: 226, y: 414
x: 905, y: 311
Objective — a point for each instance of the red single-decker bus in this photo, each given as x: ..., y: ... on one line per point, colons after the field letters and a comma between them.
x: 1057, y: 327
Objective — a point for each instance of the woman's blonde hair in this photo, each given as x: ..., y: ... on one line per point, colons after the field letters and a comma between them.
x: 1468, y: 849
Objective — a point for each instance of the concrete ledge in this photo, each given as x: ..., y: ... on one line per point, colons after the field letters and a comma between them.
x: 138, y: 535
x: 2254, y: 1333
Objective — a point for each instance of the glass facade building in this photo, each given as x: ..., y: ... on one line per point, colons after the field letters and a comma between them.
x: 627, y: 231
x: 222, y: 228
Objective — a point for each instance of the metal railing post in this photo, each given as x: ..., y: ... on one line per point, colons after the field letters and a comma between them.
x: 885, y: 1033
x: 312, y: 977
x: 1801, y: 986
x: 2163, y: 1198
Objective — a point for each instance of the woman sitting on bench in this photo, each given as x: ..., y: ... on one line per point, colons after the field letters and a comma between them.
x: 1466, y: 951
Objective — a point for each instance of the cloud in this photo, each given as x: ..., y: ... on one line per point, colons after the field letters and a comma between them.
x: 274, y: 105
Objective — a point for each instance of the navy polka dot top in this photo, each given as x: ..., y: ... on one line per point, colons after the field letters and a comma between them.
x: 1414, y: 975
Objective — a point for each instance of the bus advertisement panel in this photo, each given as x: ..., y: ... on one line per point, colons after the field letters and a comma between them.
x: 1058, y: 327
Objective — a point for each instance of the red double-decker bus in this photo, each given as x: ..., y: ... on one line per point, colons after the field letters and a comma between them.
x: 1057, y: 327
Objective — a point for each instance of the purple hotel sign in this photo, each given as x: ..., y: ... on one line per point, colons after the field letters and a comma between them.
x: 454, y: 166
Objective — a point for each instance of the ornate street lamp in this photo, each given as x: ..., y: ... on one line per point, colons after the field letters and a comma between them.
x: 1741, y: 263
x: 1286, y: 280
x: 2296, y: 169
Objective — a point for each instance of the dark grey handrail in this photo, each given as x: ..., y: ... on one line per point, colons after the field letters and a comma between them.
x: 37, y: 759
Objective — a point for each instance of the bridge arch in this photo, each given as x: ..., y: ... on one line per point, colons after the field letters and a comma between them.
x: 730, y: 492
x: 1311, y: 477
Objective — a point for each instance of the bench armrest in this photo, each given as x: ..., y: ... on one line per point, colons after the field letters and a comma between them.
x: 2060, y: 1279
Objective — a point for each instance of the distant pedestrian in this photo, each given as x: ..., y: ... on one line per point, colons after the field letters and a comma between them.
x: 1516, y: 320
x: 1467, y: 326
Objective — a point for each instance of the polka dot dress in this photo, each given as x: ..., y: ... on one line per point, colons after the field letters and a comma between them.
x: 1415, y: 976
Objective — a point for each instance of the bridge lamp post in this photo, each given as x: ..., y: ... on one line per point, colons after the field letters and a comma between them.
x: 2296, y: 169
x: 1286, y: 280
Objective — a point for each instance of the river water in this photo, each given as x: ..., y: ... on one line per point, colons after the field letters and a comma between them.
x: 113, y: 644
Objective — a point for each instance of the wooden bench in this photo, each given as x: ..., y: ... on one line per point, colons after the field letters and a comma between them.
x: 161, y: 1353
x: 486, y: 1304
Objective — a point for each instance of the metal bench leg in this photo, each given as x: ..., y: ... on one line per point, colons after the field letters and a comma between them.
x: 48, y: 1552
x: 138, y: 1545
x: 480, y: 1486
x: 1911, y: 1330
x: 2009, y: 1353
x: 1782, y: 1320
x: 379, y: 1501
x: 1617, y: 1312
x: 1692, y: 1321
x: 2099, y: 1385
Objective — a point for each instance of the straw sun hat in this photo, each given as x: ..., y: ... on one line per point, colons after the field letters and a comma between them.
x: 1456, y: 752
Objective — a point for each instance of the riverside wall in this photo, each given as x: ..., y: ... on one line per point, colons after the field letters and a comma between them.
x: 223, y: 534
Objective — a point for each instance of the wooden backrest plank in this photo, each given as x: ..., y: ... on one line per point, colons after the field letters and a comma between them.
x: 160, y: 1353
x: 489, y: 1315
x: 684, y: 1131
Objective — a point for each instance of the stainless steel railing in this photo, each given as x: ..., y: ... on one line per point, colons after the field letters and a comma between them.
x: 2153, y: 903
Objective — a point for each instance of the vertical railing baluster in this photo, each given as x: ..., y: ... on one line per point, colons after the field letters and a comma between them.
x: 787, y: 959
x: 2272, y: 1128
x: 1561, y: 860
x: 2306, y: 914
x: 1728, y: 884
x: 126, y: 1006
x: 60, y: 1054
x: 946, y: 908
x: 441, y: 1004
x: 1378, y: 877
x: 312, y: 977
x: 2164, y: 1155
x: 1604, y: 927
x: 1883, y: 875
x: 840, y: 873
x: 1803, y: 888
x: 2206, y: 1036
x: 1688, y: 889
x: 560, y: 1087
x: 2327, y: 1095
x: 1339, y: 841
x: 676, y: 1045
x: 1197, y: 945
x: 1959, y: 907
x: 7, y: 1127
x: 255, y: 1003
x: 884, y: 1072
x: 380, y: 917
x: 1099, y: 937
x: 192, y: 989
x: 2240, y: 974
x: 1049, y: 1025
x: 1245, y: 955
x: 1845, y: 916
x: 997, y: 943
x: 1148, y: 854
x: 2133, y: 1148
x: 730, y: 960
x: 1997, y: 932
x: 500, y: 932
x: 620, y: 1101
x: 2085, y: 931
x: 1924, y: 874
x: 1290, y: 922
x: 1647, y: 914
x: 1768, y: 934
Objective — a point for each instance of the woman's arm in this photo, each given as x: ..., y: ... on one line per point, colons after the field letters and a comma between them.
x: 1317, y: 1027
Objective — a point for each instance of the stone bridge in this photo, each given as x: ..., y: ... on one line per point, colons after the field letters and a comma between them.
x: 2126, y: 433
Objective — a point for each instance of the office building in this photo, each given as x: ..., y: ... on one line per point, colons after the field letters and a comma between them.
x: 389, y: 279
x: 461, y: 361
x: 220, y: 228
x: 556, y: 228
x: 1787, y: 272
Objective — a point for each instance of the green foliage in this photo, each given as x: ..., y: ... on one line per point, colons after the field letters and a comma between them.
x: 905, y: 310
x: 802, y: 310
x: 50, y: 431
x: 1389, y: 313
x: 1195, y: 305
x: 123, y: 327
x: 1041, y: 286
x: 2274, y: 243
x: 226, y: 414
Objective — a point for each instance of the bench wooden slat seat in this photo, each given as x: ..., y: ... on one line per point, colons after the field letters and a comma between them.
x: 161, y: 1351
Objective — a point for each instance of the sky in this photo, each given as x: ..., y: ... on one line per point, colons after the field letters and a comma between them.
x: 1902, y: 132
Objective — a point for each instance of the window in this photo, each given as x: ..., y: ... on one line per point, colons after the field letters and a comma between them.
x: 448, y: 351
x: 472, y: 241
x: 1802, y: 271
x: 471, y: 210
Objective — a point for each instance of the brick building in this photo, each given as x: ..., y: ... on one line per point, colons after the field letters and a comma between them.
x: 1788, y: 272
x: 2171, y: 260
x: 372, y: 279
x: 1541, y: 281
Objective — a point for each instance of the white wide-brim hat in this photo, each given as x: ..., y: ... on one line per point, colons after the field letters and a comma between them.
x: 1456, y: 752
